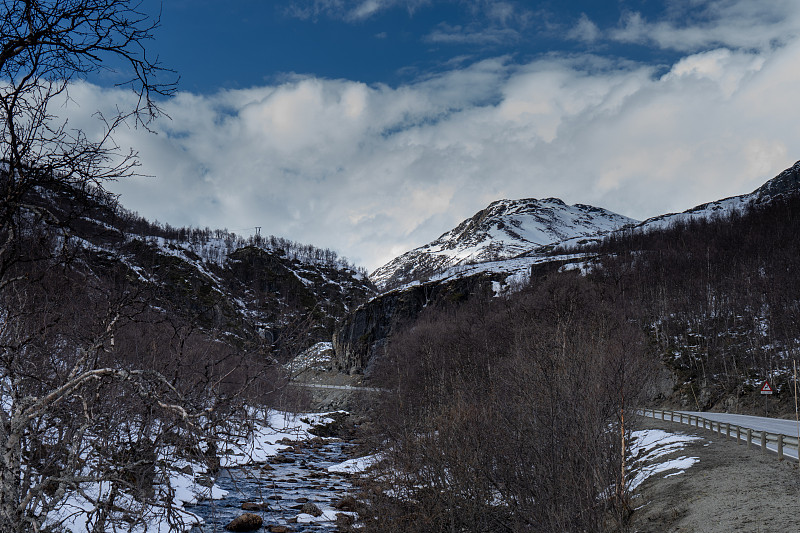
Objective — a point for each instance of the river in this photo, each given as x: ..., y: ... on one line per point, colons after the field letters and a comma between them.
x: 289, y: 481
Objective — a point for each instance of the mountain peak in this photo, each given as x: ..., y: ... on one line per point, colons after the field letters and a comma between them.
x: 504, y: 229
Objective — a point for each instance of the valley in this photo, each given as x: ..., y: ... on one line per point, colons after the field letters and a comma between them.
x: 184, y: 378
x: 454, y: 349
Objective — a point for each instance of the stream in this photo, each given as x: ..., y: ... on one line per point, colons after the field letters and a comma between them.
x: 290, y: 480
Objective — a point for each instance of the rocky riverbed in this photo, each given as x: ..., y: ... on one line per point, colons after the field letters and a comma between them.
x: 294, y: 475
x: 294, y: 491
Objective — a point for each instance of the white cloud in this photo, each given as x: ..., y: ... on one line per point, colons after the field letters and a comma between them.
x: 697, y: 24
x: 348, y: 10
x: 585, y: 30
x: 370, y: 170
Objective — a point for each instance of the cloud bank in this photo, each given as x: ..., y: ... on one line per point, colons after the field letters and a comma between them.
x: 373, y: 171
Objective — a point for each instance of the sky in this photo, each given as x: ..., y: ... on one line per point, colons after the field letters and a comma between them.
x: 373, y: 126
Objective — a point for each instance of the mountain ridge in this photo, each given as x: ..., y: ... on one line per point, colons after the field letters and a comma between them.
x: 469, y: 248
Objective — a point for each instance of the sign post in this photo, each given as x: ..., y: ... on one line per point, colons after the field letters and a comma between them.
x: 766, y: 390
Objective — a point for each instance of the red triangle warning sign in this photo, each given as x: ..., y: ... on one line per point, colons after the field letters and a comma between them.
x: 766, y: 389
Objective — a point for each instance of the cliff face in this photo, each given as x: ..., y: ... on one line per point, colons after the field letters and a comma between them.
x: 362, y: 335
x: 281, y: 293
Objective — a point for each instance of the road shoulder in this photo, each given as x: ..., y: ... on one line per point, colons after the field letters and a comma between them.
x: 730, y: 488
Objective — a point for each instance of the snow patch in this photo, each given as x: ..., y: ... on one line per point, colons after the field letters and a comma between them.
x: 650, y: 449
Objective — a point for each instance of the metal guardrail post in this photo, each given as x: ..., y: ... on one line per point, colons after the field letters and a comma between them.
x: 763, y: 442
x: 738, y: 434
x: 749, y: 438
x: 780, y: 447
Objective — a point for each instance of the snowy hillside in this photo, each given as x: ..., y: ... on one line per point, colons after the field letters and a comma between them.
x: 248, y: 291
x: 505, y: 229
x: 786, y: 181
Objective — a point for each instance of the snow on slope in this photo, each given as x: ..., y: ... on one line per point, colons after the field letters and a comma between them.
x: 505, y: 229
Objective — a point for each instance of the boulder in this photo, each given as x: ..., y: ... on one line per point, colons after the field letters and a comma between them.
x: 347, y: 504
x: 245, y: 522
x: 310, y: 508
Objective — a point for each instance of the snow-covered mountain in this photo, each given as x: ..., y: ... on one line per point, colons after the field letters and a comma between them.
x: 511, y: 237
x: 504, y: 230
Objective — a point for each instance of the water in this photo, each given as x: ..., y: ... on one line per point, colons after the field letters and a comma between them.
x: 291, y: 479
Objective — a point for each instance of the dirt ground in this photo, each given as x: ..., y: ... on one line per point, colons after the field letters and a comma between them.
x: 731, y: 488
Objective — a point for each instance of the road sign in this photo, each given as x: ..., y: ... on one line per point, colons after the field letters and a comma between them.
x: 766, y: 389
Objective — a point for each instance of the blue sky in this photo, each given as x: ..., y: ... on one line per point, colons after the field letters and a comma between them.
x: 253, y: 42
x: 374, y: 126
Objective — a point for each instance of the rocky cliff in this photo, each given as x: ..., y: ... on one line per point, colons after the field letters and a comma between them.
x: 363, y: 334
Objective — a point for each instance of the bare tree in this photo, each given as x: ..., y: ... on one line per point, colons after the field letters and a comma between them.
x: 507, y: 415
x: 78, y: 422
x: 45, y: 46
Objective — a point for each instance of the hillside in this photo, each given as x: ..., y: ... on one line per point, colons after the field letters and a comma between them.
x: 719, y: 298
x: 267, y: 291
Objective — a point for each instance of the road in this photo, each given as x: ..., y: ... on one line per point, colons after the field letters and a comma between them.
x: 759, y: 423
x: 350, y: 388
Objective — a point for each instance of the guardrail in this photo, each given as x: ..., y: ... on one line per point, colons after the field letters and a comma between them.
x: 784, y: 445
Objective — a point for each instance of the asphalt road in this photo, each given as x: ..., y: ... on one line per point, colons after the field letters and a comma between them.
x: 336, y: 387
x: 759, y: 423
